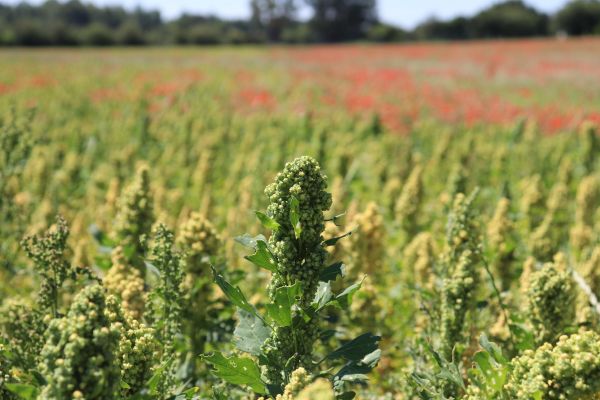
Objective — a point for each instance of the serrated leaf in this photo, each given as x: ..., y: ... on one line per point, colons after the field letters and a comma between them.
x: 24, y: 391
x: 262, y: 257
x: 357, y: 348
x: 234, y: 294
x: 237, y: 371
x: 249, y: 241
x: 280, y: 310
x: 267, y: 221
x: 330, y: 273
x: 295, y: 216
x: 250, y: 333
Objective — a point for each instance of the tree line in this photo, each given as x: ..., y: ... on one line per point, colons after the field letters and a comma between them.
x: 75, y: 23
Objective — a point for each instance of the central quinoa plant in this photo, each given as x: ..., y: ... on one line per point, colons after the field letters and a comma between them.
x: 287, y: 337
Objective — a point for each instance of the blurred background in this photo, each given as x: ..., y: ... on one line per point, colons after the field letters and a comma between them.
x: 212, y: 22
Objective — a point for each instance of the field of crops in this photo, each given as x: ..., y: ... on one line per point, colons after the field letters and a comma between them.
x: 399, y: 222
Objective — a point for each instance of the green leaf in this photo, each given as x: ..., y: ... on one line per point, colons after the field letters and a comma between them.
x: 295, y: 216
x: 333, y: 241
x: 280, y: 310
x: 250, y: 333
x: 344, y: 299
x: 492, y: 349
x: 237, y: 371
x: 24, y: 391
x: 234, y: 294
x: 249, y: 241
x: 331, y: 273
x: 262, y: 257
x: 357, y: 348
x: 157, y: 376
x: 125, y: 385
x: 323, y: 296
x: 267, y: 221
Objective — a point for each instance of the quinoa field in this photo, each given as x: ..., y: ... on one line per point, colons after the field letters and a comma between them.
x: 394, y: 222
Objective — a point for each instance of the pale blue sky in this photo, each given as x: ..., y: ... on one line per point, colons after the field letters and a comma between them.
x: 403, y: 12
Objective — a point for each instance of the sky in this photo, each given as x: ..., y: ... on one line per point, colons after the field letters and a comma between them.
x: 406, y: 13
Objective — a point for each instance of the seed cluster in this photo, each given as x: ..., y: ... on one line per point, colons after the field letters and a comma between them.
x: 551, y: 295
x: 79, y: 358
x: 299, y: 259
x: 566, y: 371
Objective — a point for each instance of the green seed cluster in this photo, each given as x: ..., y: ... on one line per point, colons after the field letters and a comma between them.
x: 79, y: 359
x: 199, y: 239
x: 47, y: 252
x: 569, y: 370
x: 460, y: 272
x: 286, y: 343
x: 138, y: 348
x: 127, y: 283
x: 135, y: 214
x: 22, y: 329
x: 299, y: 259
x: 551, y: 295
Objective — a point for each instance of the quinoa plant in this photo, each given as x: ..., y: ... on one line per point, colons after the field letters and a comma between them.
x: 460, y: 272
x: 79, y: 357
x: 48, y: 255
x: 551, y: 302
x: 135, y: 217
x: 410, y: 201
x: 201, y: 245
x: 568, y: 370
x: 532, y: 202
x: 367, y: 251
x: 166, y: 302
x: 419, y: 258
x: 138, y: 349
x: 127, y: 283
x: 287, y: 336
x: 22, y: 330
